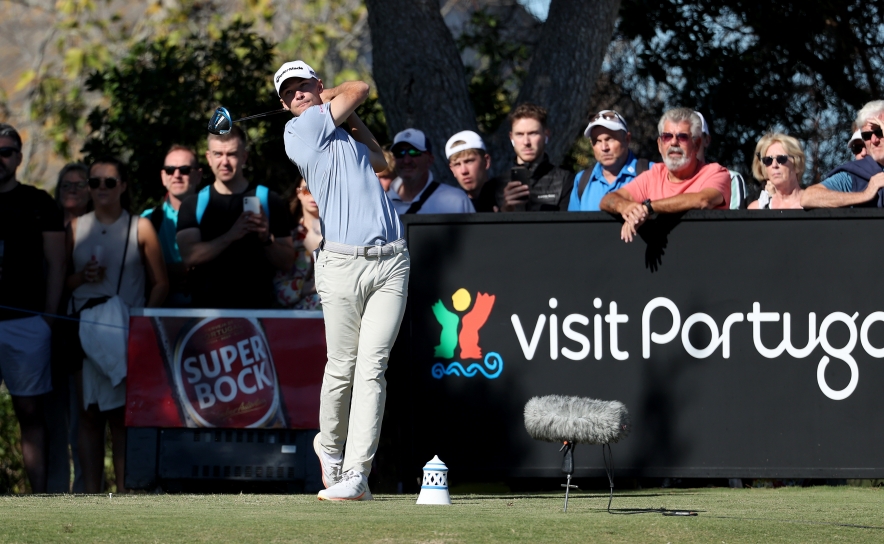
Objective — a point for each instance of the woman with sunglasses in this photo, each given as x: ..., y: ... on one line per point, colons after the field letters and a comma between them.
x: 61, y: 412
x: 297, y: 289
x: 72, y: 191
x: 779, y: 165
x: 98, y: 243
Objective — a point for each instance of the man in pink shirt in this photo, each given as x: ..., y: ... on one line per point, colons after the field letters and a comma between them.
x: 681, y: 182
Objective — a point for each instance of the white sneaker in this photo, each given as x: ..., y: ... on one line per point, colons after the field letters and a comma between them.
x: 329, y: 464
x: 352, y: 487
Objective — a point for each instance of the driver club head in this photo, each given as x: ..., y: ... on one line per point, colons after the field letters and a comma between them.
x: 221, y: 122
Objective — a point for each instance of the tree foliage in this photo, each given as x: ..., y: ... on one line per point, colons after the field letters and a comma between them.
x: 12, y: 469
x: 496, y: 68
x: 804, y: 67
x: 164, y: 91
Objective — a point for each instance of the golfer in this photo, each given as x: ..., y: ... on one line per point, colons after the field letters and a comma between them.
x: 362, y: 270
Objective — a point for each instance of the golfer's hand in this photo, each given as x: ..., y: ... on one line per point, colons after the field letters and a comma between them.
x: 328, y: 94
x: 514, y: 193
x: 241, y: 227
x: 259, y: 224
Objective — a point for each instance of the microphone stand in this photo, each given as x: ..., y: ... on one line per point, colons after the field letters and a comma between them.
x: 568, y: 468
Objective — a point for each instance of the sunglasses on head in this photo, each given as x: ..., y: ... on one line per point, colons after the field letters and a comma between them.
x: 682, y: 137
x: 411, y: 152
x: 110, y: 183
x: 170, y: 170
x: 768, y: 160
x: 857, y: 148
x: 7, y: 152
x: 610, y: 115
x: 867, y: 134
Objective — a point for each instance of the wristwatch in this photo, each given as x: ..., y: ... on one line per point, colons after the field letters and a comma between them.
x: 647, y: 204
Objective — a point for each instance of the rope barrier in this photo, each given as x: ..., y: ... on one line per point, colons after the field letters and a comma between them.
x: 63, y: 317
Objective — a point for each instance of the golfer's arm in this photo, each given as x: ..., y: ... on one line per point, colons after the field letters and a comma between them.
x: 344, y: 99
x: 363, y: 135
x: 281, y: 254
x: 194, y: 251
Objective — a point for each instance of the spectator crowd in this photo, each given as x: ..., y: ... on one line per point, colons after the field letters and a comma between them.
x: 85, y: 250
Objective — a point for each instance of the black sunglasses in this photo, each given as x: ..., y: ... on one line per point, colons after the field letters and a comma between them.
x: 867, y: 134
x: 411, y: 152
x: 7, y: 152
x: 768, y: 160
x: 110, y: 183
x: 682, y: 137
x: 170, y: 170
x: 857, y: 148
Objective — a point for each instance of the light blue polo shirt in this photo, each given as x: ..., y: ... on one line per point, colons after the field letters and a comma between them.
x: 353, y: 208
x: 598, y: 186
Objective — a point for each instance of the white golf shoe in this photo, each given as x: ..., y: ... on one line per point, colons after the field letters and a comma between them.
x: 352, y: 487
x: 329, y: 464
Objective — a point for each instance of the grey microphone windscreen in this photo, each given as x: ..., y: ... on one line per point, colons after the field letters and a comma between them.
x: 557, y: 418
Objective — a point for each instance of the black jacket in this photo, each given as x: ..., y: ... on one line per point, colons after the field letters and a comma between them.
x: 550, y: 187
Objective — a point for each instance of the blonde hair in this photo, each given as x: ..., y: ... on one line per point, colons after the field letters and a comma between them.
x: 466, y: 153
x: 390, y: 171
x: 792, y: 147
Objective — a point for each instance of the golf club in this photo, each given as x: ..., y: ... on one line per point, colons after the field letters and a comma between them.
x: 221, y: 122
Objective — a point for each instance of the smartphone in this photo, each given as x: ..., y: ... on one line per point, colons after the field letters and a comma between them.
x: 251, y: 204
x: 520, y: 174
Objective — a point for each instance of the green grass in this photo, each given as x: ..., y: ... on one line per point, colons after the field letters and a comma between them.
x: 818, y: 514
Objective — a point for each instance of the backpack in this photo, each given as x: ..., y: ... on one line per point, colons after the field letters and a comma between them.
x: 202, y: 201
x: 641, y: 165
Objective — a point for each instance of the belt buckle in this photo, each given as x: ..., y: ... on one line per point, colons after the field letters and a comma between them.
x: 365, y: 250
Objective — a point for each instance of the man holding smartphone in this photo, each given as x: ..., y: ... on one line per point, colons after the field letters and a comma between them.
x: 233, y: 253
x: 535, y: 183
x: 362, y: 270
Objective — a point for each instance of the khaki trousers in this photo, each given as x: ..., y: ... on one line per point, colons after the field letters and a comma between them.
x: 363, y: 301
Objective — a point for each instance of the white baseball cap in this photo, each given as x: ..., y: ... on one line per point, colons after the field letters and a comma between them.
x: 295, y: 68
x: 468, y: 140
x: 414, y: 137
x: 856, y: 137
x: 704, y: 123
x: 609, y: 119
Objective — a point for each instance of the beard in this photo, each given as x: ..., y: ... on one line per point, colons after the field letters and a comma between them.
x: 677, y: 163
x: 6, y: 175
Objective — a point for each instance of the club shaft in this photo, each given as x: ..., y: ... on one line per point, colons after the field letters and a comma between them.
x: 265, y: 114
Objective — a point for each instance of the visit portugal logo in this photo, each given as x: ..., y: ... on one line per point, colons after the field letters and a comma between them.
x: 461, y: 328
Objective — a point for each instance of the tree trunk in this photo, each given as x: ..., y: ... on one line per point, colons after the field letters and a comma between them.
x: 420, y: 77
x: 422, y: 84
x: 563, y: 72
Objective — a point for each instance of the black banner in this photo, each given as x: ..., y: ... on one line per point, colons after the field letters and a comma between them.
x: 743, y: 344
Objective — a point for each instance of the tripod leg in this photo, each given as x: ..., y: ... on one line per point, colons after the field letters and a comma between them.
x: 567, y: 489
x: 609, y: 471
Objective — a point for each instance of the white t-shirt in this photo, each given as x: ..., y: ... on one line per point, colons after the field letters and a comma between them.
x: 445, y: 199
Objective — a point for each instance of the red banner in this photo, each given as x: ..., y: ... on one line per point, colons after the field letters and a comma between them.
x: 225, y: 369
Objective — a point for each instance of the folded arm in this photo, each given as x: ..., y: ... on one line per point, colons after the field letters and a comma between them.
x: 343, y: 101
x: 820, y: 196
